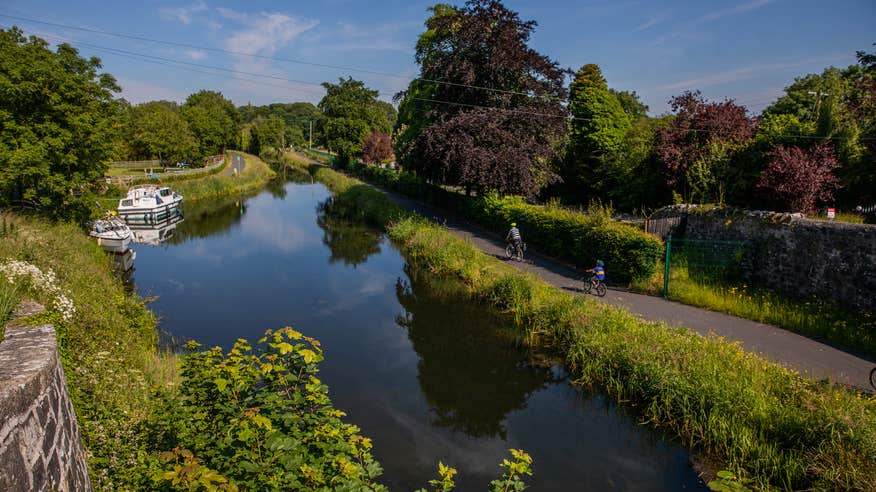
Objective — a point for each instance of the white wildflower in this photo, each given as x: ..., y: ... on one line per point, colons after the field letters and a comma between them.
x: 46, y: 281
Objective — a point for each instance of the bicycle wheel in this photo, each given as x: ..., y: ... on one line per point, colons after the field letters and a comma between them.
x: 600, y: 289
x: 586, y: 285
x: 873, y: 378
x: 509, y: 253
x: 519, y: 253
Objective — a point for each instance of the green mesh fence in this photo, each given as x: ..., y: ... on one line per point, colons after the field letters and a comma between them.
x: 705, y: 260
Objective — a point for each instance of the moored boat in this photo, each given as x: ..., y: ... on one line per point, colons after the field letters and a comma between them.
x: 112, y: 234
x: 150, y: 204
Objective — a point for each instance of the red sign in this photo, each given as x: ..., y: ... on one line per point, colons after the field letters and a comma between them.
x: 831, y: 213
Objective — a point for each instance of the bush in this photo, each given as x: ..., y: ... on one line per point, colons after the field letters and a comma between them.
x: 628, y: 253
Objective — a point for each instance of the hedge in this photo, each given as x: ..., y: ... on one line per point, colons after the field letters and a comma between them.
x: 628, y: 252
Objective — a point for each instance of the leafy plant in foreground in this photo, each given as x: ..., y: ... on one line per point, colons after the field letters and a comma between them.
x: 264, y: 420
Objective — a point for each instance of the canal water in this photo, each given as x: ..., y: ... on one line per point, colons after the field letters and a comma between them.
x: 426, y: 375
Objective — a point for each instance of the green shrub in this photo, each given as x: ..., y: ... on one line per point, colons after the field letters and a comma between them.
x: 628, y: 253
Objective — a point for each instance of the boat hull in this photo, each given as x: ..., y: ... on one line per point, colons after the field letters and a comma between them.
x: 152, y: 215
x: 114, y: 245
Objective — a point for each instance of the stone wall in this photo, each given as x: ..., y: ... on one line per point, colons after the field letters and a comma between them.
x: 40, y: 447
x: 791, y: 254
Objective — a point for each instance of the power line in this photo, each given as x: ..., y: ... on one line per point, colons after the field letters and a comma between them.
x: 280, y: 59
x: 168, y: 61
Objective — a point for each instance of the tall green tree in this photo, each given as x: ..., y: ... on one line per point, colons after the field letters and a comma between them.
x: 159, y: 131
x: 631, y: 104
x: 486, y: 112
x: 350, y: 111
x: 837, y: 105
x: 267, y: 133
x: 56, y: 115
x: 213, y: 120
x: 598, y: 127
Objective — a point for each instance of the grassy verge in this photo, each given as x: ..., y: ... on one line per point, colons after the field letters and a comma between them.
x: 632, y: 256
x: 9, y: 298
x: 255, y: 175
x: 813, y: 318
x: 108, y: 347
x: 762, y: 422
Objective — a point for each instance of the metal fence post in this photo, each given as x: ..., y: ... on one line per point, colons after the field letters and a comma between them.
x: 666, y: 267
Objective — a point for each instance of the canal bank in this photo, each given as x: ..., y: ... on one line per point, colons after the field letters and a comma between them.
x: 428, y: 375
x: 742, y: 412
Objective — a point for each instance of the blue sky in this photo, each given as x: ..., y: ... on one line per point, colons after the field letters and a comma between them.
x: 744, y: 49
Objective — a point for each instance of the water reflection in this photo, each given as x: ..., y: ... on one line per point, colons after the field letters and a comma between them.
x: 348, y: 242
x: 211, y: 218
x: 471, y: 372
x: 155, y: 233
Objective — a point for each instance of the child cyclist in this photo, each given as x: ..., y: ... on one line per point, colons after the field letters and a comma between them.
x: 598, y: 271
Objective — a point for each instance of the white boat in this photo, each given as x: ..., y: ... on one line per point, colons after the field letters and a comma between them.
x: 150, y: 204
x: 112, y: 234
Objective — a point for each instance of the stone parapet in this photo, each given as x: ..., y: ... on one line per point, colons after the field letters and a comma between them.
x: 40, y: 446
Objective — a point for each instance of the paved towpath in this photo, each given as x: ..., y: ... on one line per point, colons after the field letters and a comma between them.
x: 237, y: 162
x: 810, y: 357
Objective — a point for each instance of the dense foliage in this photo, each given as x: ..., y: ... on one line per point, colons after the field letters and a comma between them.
x: 598, y: 129
x: 263, y: 420
x: 699, y: 147
x: 377, y: 148
x: 159, y: 131
x: 213, y: 120
x: 57, y: 116
x: 351, y: 112
x: 798, y: 179
x: 486, y: 112
x: 628, y: 252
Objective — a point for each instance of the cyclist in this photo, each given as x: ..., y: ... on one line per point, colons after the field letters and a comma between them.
x: 598, y: 271
x: 513, y: 237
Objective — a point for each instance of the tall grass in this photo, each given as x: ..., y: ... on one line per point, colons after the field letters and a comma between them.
x: 108, y: 349
x: 753, y: 417
x: 9, y: 298
x: 255, y: 175
x: 813, y: 317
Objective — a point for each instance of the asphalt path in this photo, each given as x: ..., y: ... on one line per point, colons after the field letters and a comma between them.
x: 237, y: 162
x: 812, y: 358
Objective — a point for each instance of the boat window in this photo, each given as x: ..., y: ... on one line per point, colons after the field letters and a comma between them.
x: 165, y: 192
x: 128, y: 203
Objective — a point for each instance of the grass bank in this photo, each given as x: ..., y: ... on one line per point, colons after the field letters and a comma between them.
x: 108, y: 346
x: 255, y: 175
x: 813, y: 318
x: 766, y: 424
x: 632, y: 256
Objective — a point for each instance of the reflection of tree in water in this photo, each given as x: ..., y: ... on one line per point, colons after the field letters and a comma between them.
x: 209, y: 217
x: 348, y: 242
x: 471, y: 373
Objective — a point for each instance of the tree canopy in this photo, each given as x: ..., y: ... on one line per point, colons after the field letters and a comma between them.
x: 495, y: 120
x: 57, y: 113
x: 159, y: 131
x: 351, y: 111
x: 212, y: 119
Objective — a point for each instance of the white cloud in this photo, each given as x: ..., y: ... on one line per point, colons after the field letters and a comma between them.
x: 195, y: 54
x: 653, y: 21
x: 743, y: 73
x: 739, y: 9
x: 183, y: 14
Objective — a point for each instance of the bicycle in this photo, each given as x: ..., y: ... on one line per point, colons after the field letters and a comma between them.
x: 590, y: 283
x: 873, y: 378
x: 514, y: 251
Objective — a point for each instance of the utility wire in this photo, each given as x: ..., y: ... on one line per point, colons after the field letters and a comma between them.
x: 169, y: 61
x: 280, y: 59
